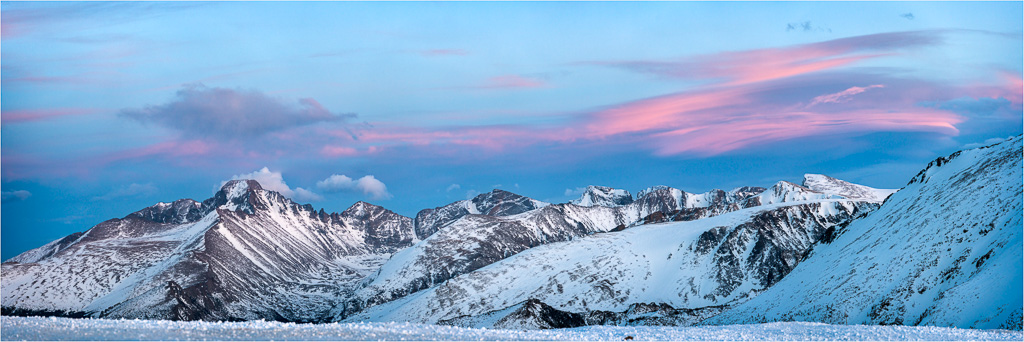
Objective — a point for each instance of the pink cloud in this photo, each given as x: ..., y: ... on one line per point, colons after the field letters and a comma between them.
x: 751, y: 66
x: 338, y: 151
x: 740, y: 131
x: 29, y: 115
x: 842, y: 96
x: 727, y: 118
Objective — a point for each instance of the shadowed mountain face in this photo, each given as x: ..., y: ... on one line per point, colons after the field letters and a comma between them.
x: 505, y: 260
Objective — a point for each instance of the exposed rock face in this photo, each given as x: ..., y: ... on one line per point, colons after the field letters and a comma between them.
x: 531, y: 314
x: 534, y: 314
x: 709, y: 262
x: 247, y: 253
x: 829, y: 185
x: 251, y: 254
x: 494, y: 203
x: 945, y: 250
x: 603, y: 196
x: 180, y: 211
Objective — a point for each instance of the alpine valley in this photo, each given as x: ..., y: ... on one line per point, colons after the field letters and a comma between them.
x: 945, y: 250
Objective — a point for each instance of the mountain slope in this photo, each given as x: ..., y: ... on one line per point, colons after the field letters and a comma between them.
x: 707, y: 262
x: 250, y: 254
x: 945, y: 250
x: 494, y: 203
x: 828, y: 185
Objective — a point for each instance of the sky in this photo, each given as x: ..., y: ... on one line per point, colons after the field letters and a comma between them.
x: 108, y: 108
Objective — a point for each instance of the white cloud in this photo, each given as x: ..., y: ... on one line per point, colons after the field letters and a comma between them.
x: 471, y: 193
x: 453, y: 187
x: 16, y: 195
x: 131, y: 190
x: 368, y: 185
x: 336, y: 183
x: 274, y: 181
x: 987, y: 142
x: 842, y: 96
x: 575, y: 192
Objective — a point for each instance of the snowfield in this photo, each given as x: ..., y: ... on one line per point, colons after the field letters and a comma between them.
x: 53, y: 328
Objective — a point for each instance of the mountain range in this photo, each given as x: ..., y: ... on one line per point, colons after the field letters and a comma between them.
x: 945, y: 250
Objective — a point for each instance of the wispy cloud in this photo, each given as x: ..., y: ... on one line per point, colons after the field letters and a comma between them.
x: 987, y: 142
x: 16, y: 195
x: 30, y: 115
x: 806, y: 26
x: 742, y: 67
x: 131, y: 190
x: 842, y: 96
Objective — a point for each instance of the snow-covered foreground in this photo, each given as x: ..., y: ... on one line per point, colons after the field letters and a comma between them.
x: 53, y: 328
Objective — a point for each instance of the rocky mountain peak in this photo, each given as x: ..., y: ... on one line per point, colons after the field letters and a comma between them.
x: 652, y: 189
x: 236, y: 194
x: 237, y: 188
x: 603, y: 196
x: 832, y: 186
x: 180, y: 211
x: 362, y: 210
x: 502, y: 203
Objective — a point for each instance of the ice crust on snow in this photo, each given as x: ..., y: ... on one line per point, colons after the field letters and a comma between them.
x: 52, y: 328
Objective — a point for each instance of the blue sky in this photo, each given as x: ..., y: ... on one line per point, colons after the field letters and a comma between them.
x: 110, y: 107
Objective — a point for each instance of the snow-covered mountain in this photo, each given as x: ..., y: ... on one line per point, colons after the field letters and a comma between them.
x: 473, y: 241
x: 828, y: 185
x: 691, y: 264
x: 945, y: 250
x: 494, y: 203
x: 246, y: 253
x: 603, y: 196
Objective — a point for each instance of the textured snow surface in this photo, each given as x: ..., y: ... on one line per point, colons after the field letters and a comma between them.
x: 690, y: 264
x: 829, y: 185
x: 52, y: 328
x: 945, y: 250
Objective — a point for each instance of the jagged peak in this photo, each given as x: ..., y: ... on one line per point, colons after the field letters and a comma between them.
x: 640, y: 194
x: 361, y: 208
x: 236, y: 188
x: 834, y: 186
x: 495, y: 193
x: 787, y: 185
x: 603, y: 196
x: 747, y: 189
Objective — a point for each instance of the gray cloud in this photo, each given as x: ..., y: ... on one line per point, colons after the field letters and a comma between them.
x: 225, y: 114
x: 16, y: 195
x: 806, y: 26
x: 908, y: 15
